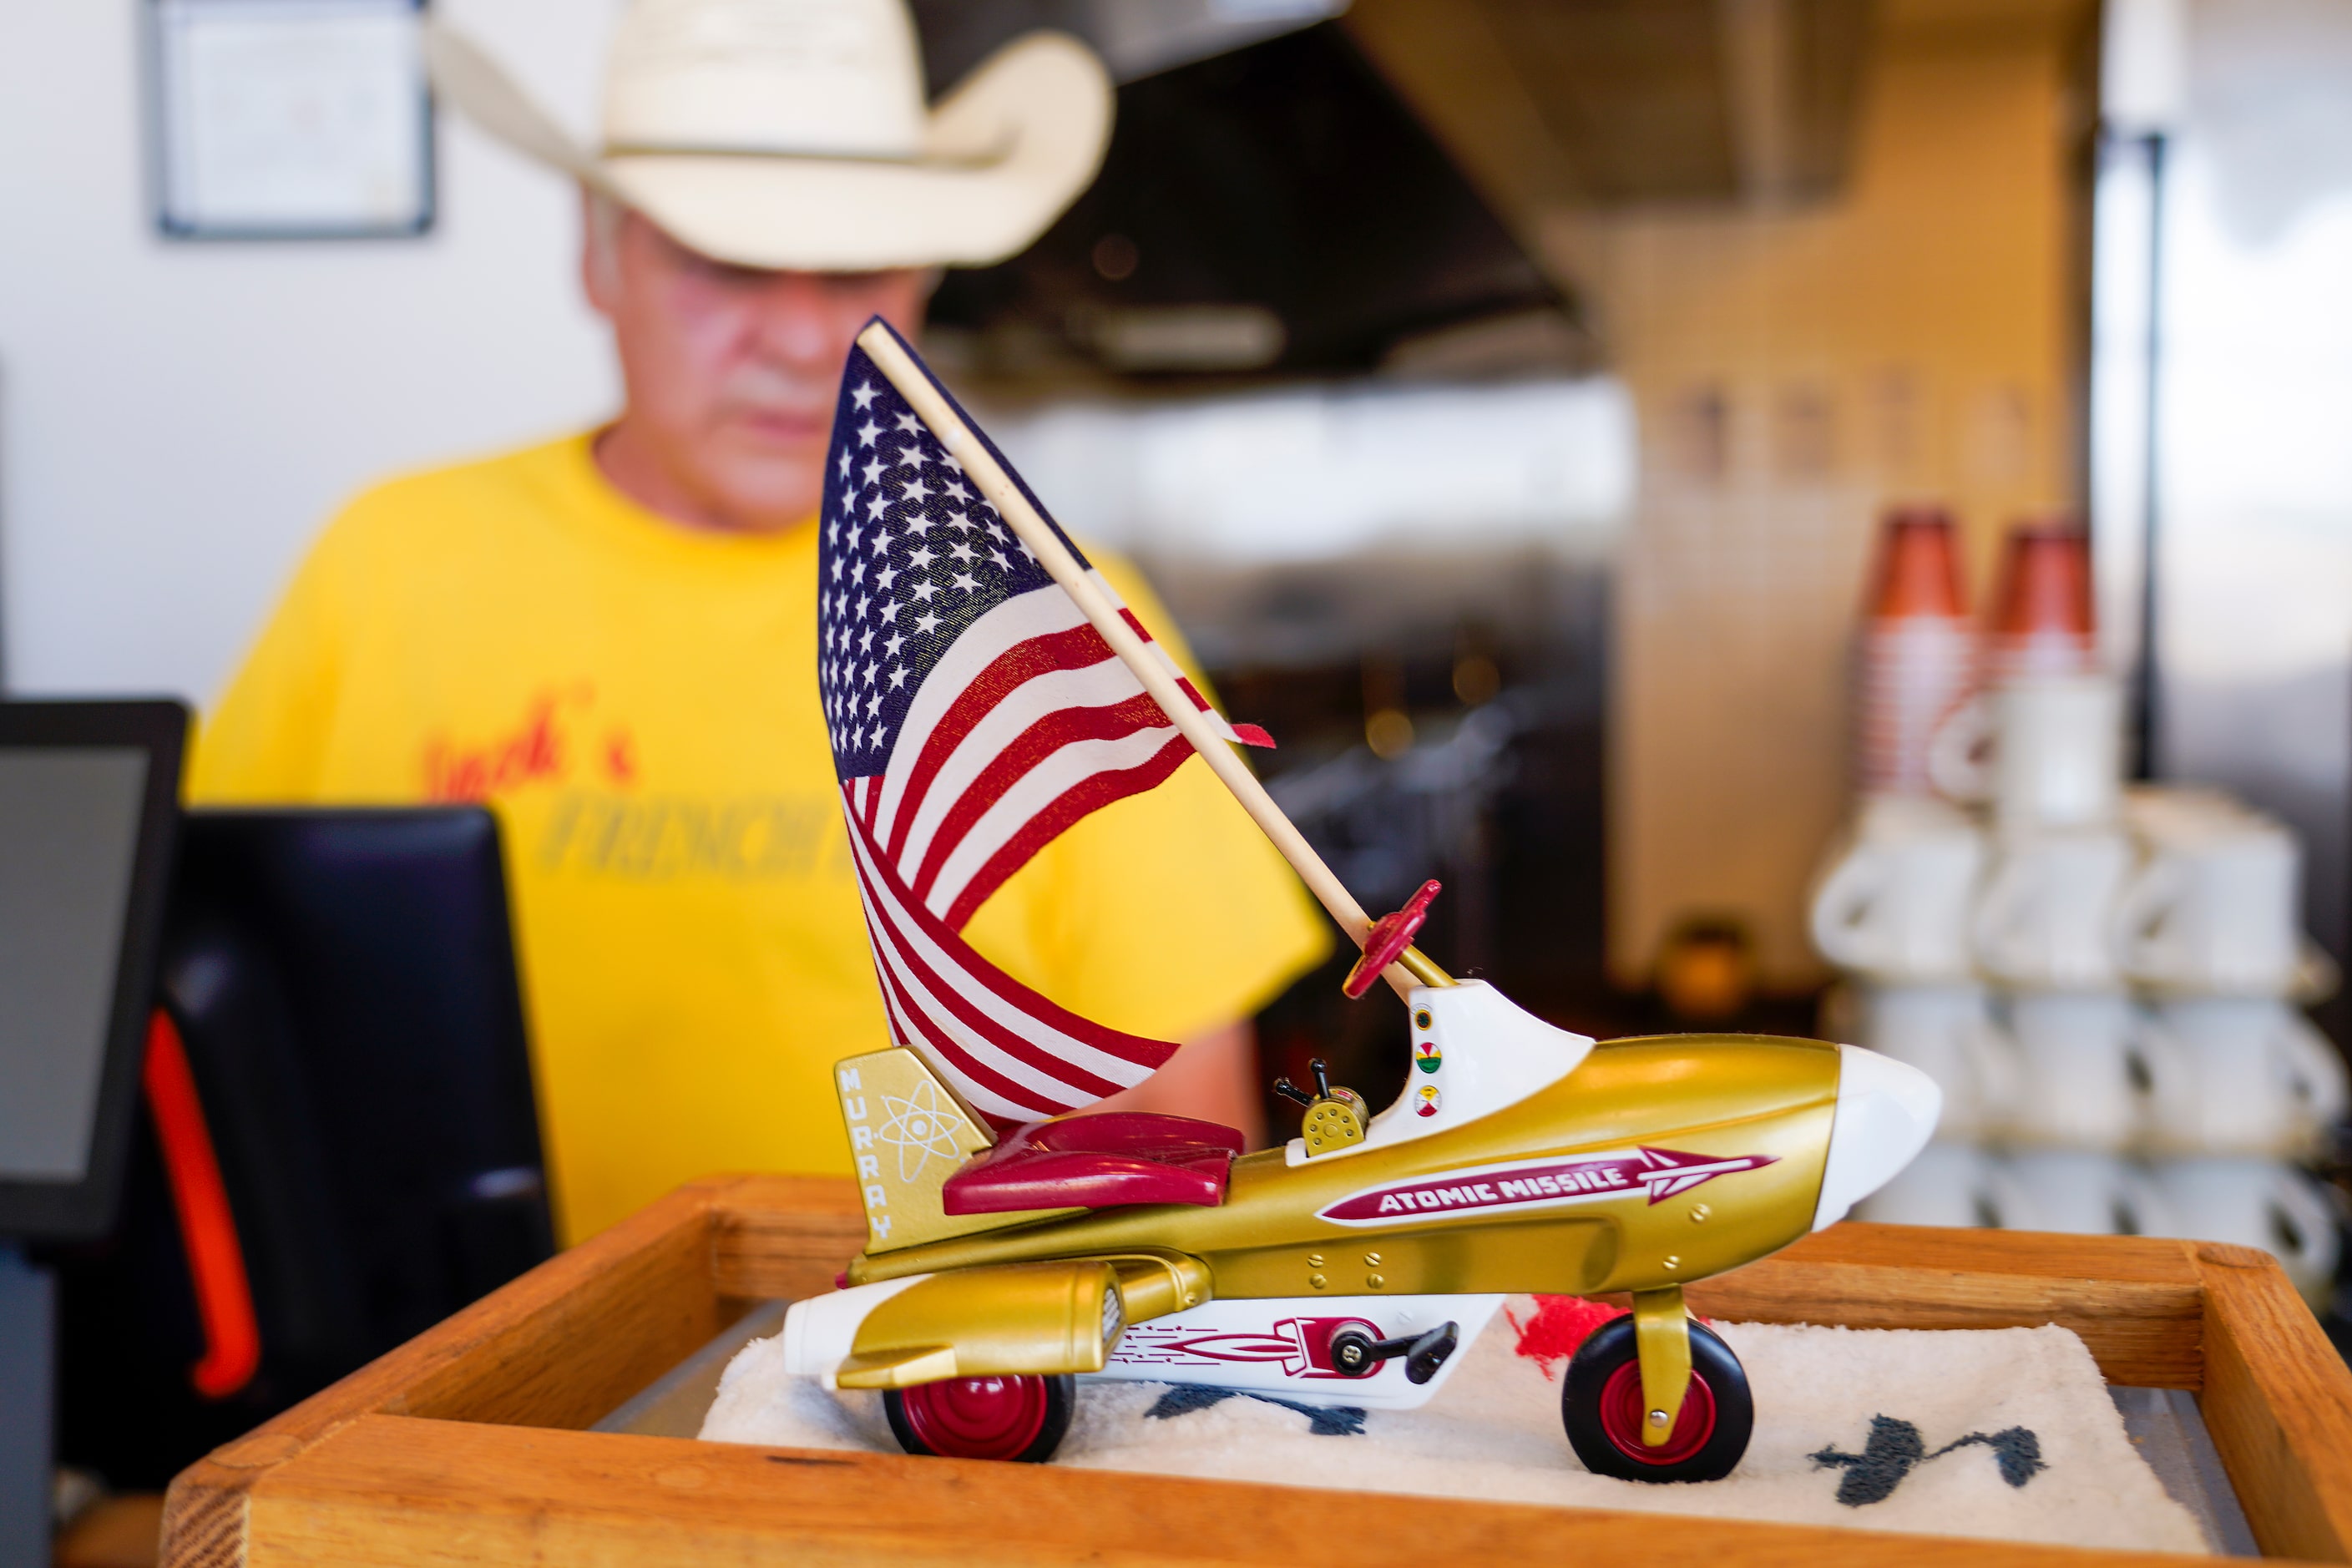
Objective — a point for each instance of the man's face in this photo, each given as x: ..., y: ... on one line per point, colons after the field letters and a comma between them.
x: 731, y: 373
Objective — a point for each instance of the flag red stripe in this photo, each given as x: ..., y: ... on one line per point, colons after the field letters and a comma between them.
x: 971, y: 967
x: 1190, y: 690
x: 1009, y: 767
x: 1081, y: 1086
x: 1249, y: 734
x: 1075, y: 648
x: 957, y: 1001
x: 1091, y: 793
x: 1137, y: 1049
x: 903, y: 972
x: 908, y: 1026
x: 961, y: 1064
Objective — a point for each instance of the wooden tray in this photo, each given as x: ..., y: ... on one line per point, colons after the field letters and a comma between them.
x: 466, y: 1445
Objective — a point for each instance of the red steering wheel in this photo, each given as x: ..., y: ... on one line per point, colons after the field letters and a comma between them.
x: 1389, y: 936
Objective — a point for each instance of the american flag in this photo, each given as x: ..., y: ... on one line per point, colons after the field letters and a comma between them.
x: 975, y: 715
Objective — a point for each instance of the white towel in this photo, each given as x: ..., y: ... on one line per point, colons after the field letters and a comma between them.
x: 1493, y: 1432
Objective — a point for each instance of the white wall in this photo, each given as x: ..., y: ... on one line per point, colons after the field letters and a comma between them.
x: 177, y: 420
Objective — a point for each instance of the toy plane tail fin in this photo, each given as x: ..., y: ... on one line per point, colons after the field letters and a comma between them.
x: 907, y: 1133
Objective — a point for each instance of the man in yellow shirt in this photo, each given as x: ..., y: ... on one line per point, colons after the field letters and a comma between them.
x: 611, y: 638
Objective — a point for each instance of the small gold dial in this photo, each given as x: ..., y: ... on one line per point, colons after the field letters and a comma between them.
x: 1331, y: 1124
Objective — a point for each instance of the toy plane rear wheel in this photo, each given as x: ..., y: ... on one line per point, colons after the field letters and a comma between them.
x: 1019, y: 1418
x: 1600, y: 1404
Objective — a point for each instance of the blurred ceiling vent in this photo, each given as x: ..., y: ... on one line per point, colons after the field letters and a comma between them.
x: 1273, y: 209
x: 1613, y: 103
x: 1527, y: 343
x: 1229, y: 338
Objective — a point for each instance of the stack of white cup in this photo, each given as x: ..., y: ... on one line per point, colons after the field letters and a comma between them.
x: 2104, y: 982
x: 1916, y: 660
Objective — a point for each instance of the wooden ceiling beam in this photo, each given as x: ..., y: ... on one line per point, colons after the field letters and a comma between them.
x: 1453, y: 68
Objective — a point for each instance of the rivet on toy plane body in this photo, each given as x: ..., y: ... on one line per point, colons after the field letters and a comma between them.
x: 1351, y: 1267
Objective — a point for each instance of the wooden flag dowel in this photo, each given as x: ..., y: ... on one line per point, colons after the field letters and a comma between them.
x: 883, y: 347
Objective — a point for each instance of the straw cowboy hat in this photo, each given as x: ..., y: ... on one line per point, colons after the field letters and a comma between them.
x: 793, y: 134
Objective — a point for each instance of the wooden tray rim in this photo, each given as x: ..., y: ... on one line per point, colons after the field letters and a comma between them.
x: 468, y: 1445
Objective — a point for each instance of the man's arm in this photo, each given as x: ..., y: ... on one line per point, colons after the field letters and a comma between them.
x: 1214, y: 1077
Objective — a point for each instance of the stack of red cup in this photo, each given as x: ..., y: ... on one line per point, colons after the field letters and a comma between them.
x: 2102, y: 982
x: 1916, y: 659
x: 2041, y: 621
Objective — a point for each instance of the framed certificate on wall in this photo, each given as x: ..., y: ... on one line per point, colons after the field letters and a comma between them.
x: 289, y: 118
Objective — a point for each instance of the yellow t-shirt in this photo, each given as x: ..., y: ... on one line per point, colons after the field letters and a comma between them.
x: 639, y: 701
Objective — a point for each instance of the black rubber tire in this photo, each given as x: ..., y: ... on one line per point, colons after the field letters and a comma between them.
x: 1061, y: 1403
x: 1611, y: 1346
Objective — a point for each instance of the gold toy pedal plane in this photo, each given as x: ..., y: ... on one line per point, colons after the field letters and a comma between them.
x: 1520, y: 1158
x: 979, y: 702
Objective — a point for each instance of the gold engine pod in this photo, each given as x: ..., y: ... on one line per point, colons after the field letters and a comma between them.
x: 1155, y: 1282
x: 1011, y: 1319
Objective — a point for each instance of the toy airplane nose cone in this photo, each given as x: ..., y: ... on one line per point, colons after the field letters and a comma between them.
x: 1887, y: 1111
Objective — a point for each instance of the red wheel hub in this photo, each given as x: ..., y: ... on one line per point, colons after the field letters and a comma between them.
x: 977, y: 1418
x: 1623, y: 1416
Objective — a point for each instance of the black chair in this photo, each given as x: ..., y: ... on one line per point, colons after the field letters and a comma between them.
x: 344, y: 984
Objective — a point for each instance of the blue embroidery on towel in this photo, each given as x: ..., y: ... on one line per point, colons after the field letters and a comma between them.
x: 1894, y: 1449
x: 1322, y: 1420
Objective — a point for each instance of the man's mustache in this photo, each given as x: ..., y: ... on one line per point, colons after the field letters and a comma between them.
x: 766, y: 382
x: 762, y: 391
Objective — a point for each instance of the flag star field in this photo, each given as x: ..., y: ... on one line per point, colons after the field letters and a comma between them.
x: 911, y: 556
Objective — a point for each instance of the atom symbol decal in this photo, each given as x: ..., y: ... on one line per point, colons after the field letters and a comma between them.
x: 918, y: 1126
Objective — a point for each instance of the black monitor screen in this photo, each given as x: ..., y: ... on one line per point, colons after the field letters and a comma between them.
x: 70, y: 831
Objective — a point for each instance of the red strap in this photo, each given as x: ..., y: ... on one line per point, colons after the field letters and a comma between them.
x: 207, y: 1228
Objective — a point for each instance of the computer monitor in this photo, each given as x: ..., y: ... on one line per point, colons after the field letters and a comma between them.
x: 89, y: 792
x: 343, y: 984
x: 89, y: 799
x: 345, y: 980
